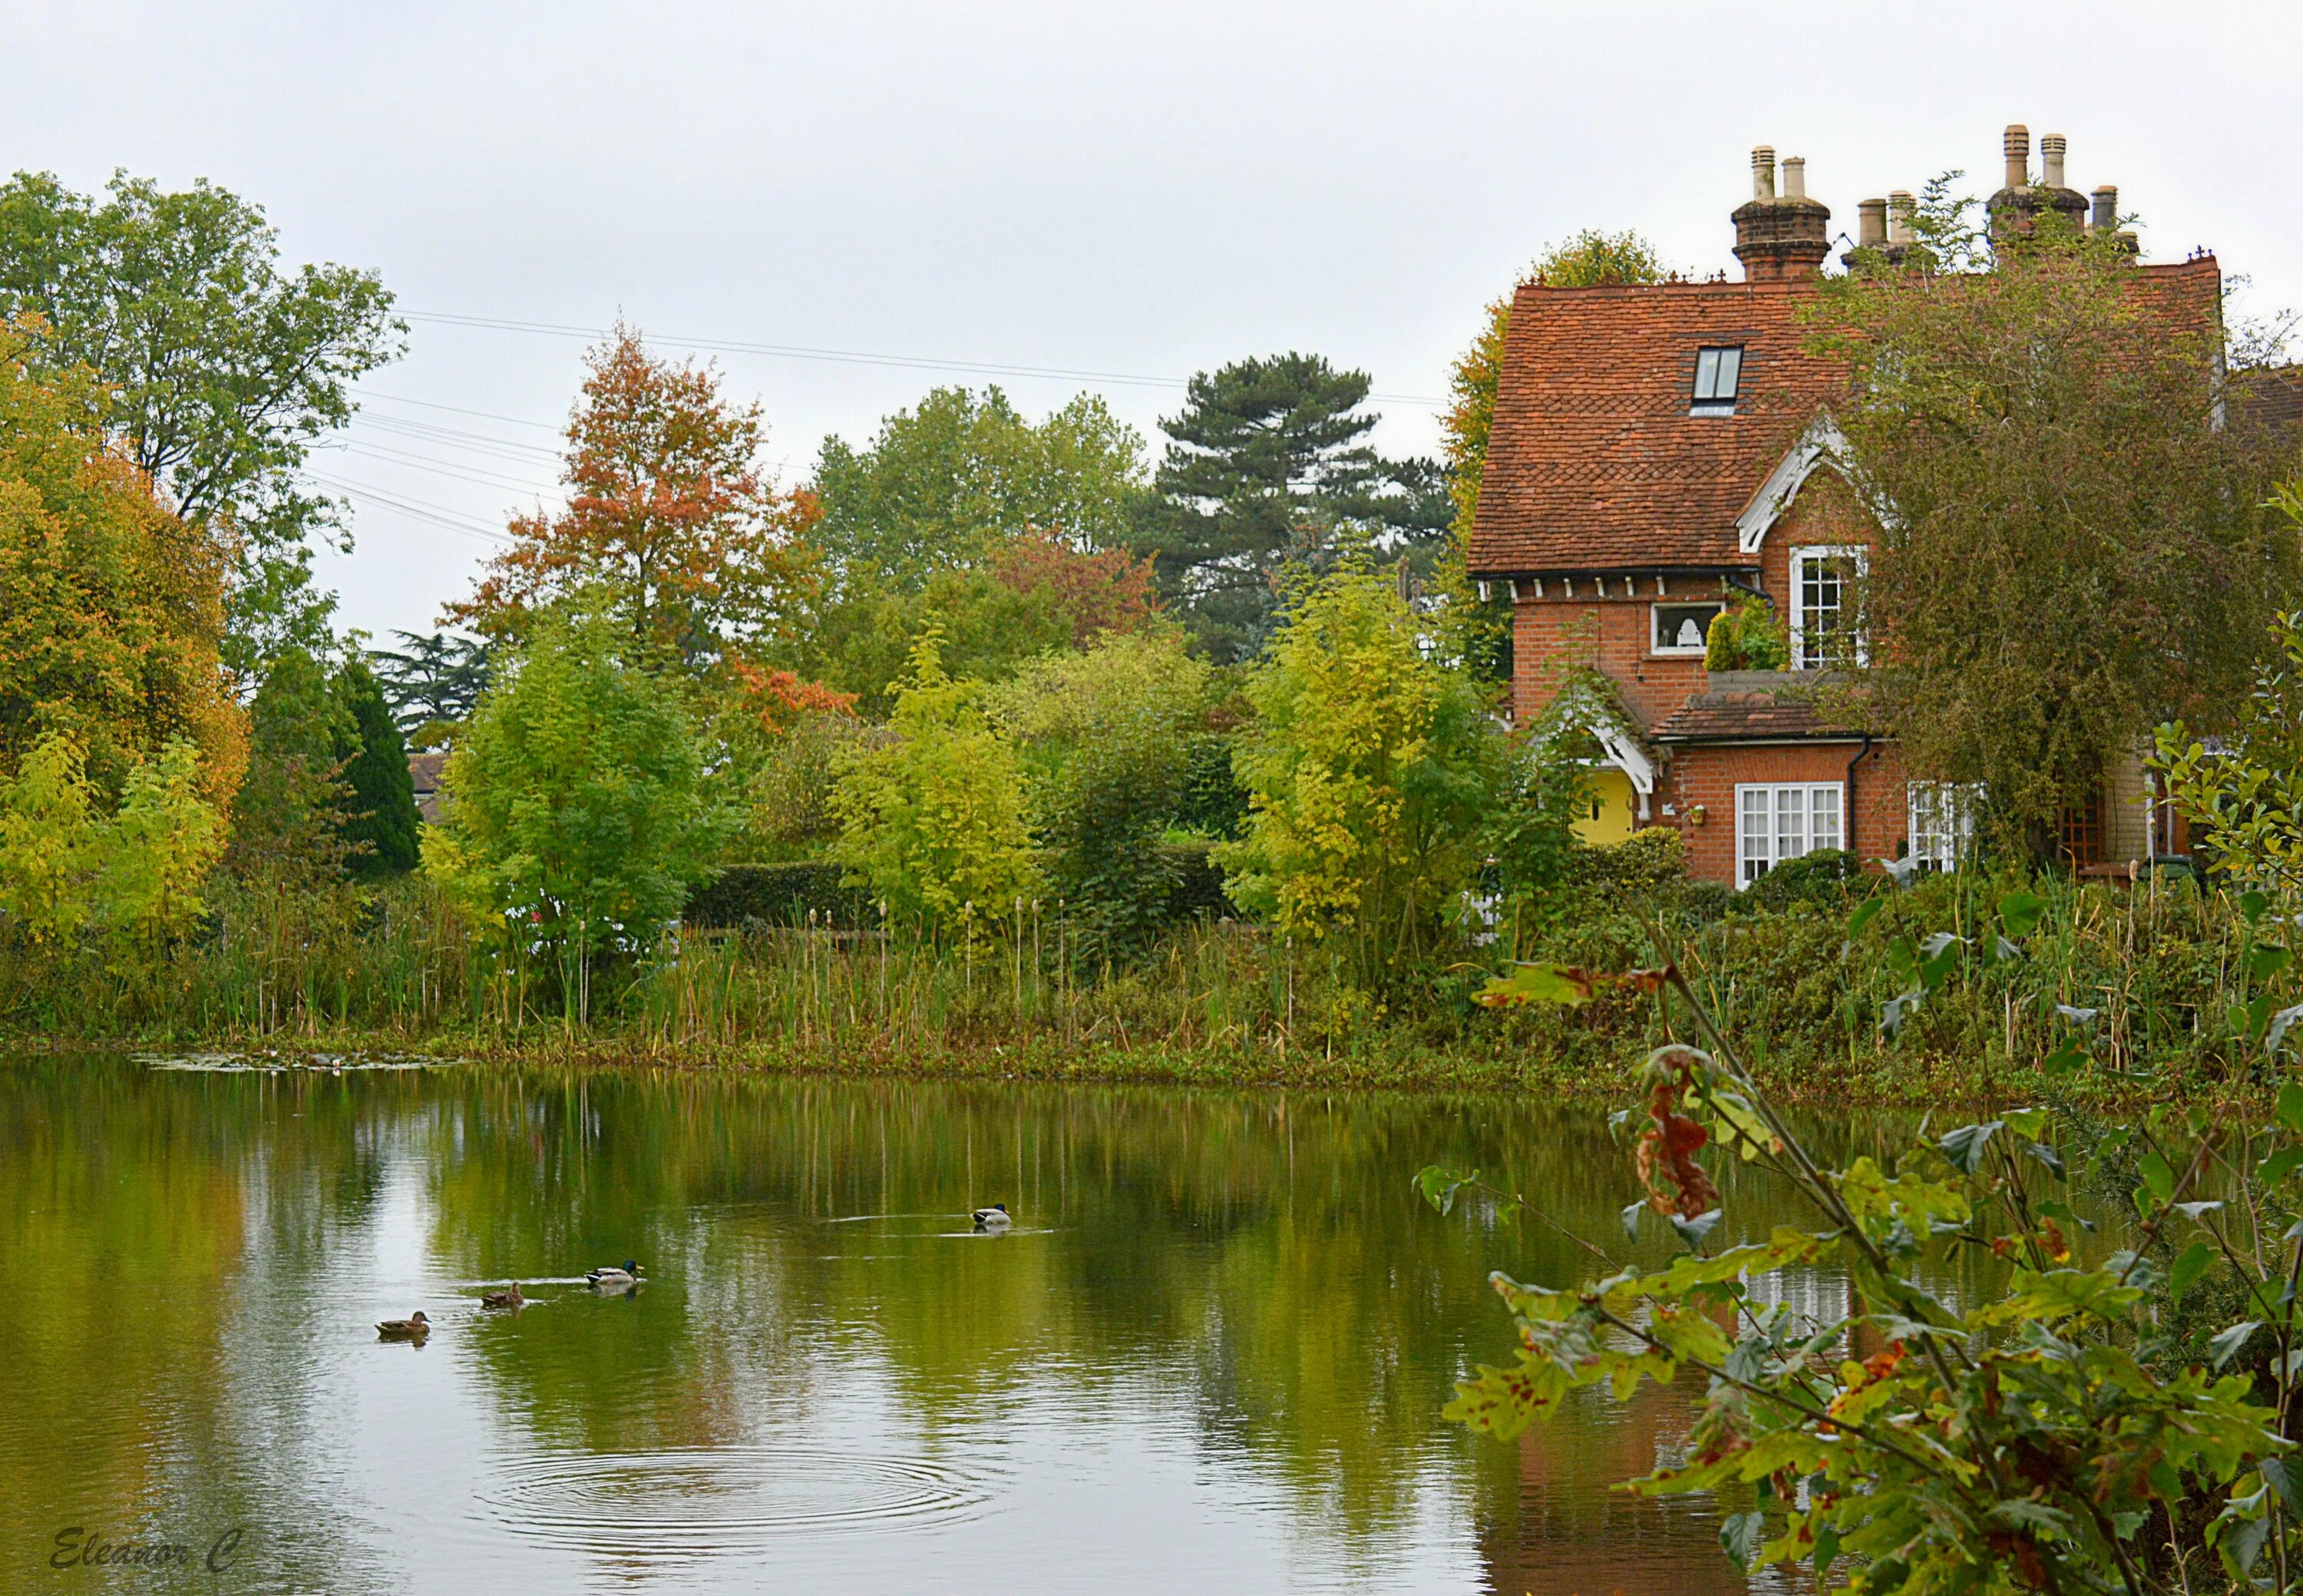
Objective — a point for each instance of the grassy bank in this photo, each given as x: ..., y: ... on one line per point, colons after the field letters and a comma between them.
x: 1218, y: 1003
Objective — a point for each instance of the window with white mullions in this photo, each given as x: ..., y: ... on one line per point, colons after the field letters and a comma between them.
x: 1824, y: 631
x: 1683, y: 629
x: 1779, y: 820
x: 1941, y: 822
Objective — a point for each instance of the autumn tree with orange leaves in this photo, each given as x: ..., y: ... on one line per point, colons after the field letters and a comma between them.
x: 671, y: 527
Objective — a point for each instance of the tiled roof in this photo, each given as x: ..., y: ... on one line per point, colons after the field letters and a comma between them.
x: 1749, y: 706
x: 1594, y: 463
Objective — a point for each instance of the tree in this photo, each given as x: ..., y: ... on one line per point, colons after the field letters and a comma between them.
x: 2073, y: 541
x: 579, y: 813
x: 223, y: 369
x: 671, y: 528
x: 1589, y: 260
x: 381, y: 823
x: 289, y: 816
x: 946, y: 484
x: 111, y: 608
x: 933, y: 821
x: 431, y: 683
x: 1369, y: 767
x: 1106, y: 738
x: 1267, y: 461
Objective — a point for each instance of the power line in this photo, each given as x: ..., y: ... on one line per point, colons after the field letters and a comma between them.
x: 439, y: 467
x: 485, y: 415
x: 847, y: 357
x: 438, y: 515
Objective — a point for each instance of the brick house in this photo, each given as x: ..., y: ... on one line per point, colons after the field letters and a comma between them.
x: 1660, y: 451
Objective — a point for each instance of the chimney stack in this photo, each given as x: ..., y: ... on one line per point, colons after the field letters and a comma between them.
x: 2018, y: 145
x: 1871, y: 225
x: 2107, y: 207
x: 1900, y: 206
x: 2051, y: 160
x: 1785, y: 236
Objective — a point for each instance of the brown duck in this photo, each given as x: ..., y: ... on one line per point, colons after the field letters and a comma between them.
x: 414, y: 1328
x: 509, y: 1297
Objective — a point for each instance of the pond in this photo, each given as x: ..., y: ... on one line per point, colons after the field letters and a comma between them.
x: 1209, y: 1354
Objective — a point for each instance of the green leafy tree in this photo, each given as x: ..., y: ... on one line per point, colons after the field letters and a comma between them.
x: 381, y: 823
x: 1746, y: 636
x: 579, y: 813
x: 2073, y: 538
x: 1589, y: 260
x: 289, y: 818
x: 134, y: 878
x: 933, y: 822
x: 1268, y: 470
x: 223, y: 369
x: 1370, y: 766
x: 950, y: 481
x: 1108, y: 738
x: 2244, y: 795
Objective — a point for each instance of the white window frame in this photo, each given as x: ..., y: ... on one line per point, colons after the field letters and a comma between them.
x: 1778, y: 820
x: 1715, y: 402
x: 1939, y: 821
x: 1657, y: 647
x: 1856, y: 556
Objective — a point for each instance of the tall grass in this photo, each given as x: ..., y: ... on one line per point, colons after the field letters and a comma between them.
x: 2160, y: 962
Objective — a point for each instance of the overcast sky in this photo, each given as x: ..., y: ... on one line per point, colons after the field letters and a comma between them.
x: 1134, y: 191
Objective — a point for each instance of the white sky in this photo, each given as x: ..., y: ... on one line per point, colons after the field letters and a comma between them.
x: 1146, y: 191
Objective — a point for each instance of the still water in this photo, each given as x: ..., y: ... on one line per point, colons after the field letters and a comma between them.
x: 1209, y: 1356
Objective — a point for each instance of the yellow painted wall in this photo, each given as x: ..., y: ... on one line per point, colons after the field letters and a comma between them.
x: 1612, y: 810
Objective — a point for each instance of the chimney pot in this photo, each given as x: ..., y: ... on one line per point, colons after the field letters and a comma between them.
x: 2018, y: 145
x: 1794, y: 177
x: 1900, y: 207
x: 1763, y: 172
x: 2051, y: 159
x: 1871, y: 223
x: 2107, y: 207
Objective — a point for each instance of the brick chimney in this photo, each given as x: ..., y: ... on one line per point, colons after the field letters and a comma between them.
x: 1783, y: 237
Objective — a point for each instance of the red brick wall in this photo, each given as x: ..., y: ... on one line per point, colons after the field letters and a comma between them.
x: 1709, y: 776
x: 1556, y: 633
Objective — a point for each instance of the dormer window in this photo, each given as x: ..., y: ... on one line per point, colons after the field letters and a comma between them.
x: 1717, y: 373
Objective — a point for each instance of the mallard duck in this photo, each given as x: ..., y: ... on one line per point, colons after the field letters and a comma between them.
x: 994, y: 1218
x: 609, y: 1277
x: 509, y: 1297
x: 414, y: 1328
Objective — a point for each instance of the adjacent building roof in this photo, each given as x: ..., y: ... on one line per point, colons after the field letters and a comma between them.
x: 1595, y: 461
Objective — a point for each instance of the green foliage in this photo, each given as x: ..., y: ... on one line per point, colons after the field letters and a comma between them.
x: 1267, y: 465
x: 2245, y: 796
x: 1369, y: 769
x: 132, y: 879
x: 785, y: 784
x: 432, y: 682
x: 1746, y: 636
x: 2079, y: 546
x: 223, y: 369
x: 946, y: 483
x: 933, y: 821
x: 2048, y: 1437
x: 579, y: 813
x: 790, y: 894
x: 380, y: 823
x: 1825, y: 877
x: 289, y: 818
x: 1106, y: 738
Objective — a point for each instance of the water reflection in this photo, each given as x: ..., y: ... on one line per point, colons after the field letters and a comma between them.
x: 1213, y: 1349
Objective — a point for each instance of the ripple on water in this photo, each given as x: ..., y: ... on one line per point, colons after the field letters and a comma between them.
x: 708, y: 1500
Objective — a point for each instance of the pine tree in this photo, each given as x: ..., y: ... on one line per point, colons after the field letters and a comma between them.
x: 381, y: 811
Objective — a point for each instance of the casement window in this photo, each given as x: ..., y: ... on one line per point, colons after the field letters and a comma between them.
x: 1941, y: 820
x: 1718, y: 374
x: 1682, y: 629
x: 1774, y: 822
x: 1824, y: 630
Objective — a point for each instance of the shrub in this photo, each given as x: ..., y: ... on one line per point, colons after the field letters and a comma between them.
x: 1746, y: 636
x: 933, y: 822
x: 1826, y: 877
x: 1644, y: 860
x: 782, y: 894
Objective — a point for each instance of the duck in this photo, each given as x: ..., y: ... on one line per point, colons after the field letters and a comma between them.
x: 509, y: 1297
x: 414, y: 1328
x: 994, y: 1218
x: 609, y: 1277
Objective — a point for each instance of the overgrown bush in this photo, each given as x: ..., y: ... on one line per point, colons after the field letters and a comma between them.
x: 779, y: 894
x: 1826, y: 877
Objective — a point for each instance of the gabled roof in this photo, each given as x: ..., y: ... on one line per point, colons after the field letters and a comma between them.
x: 1594, y: 463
